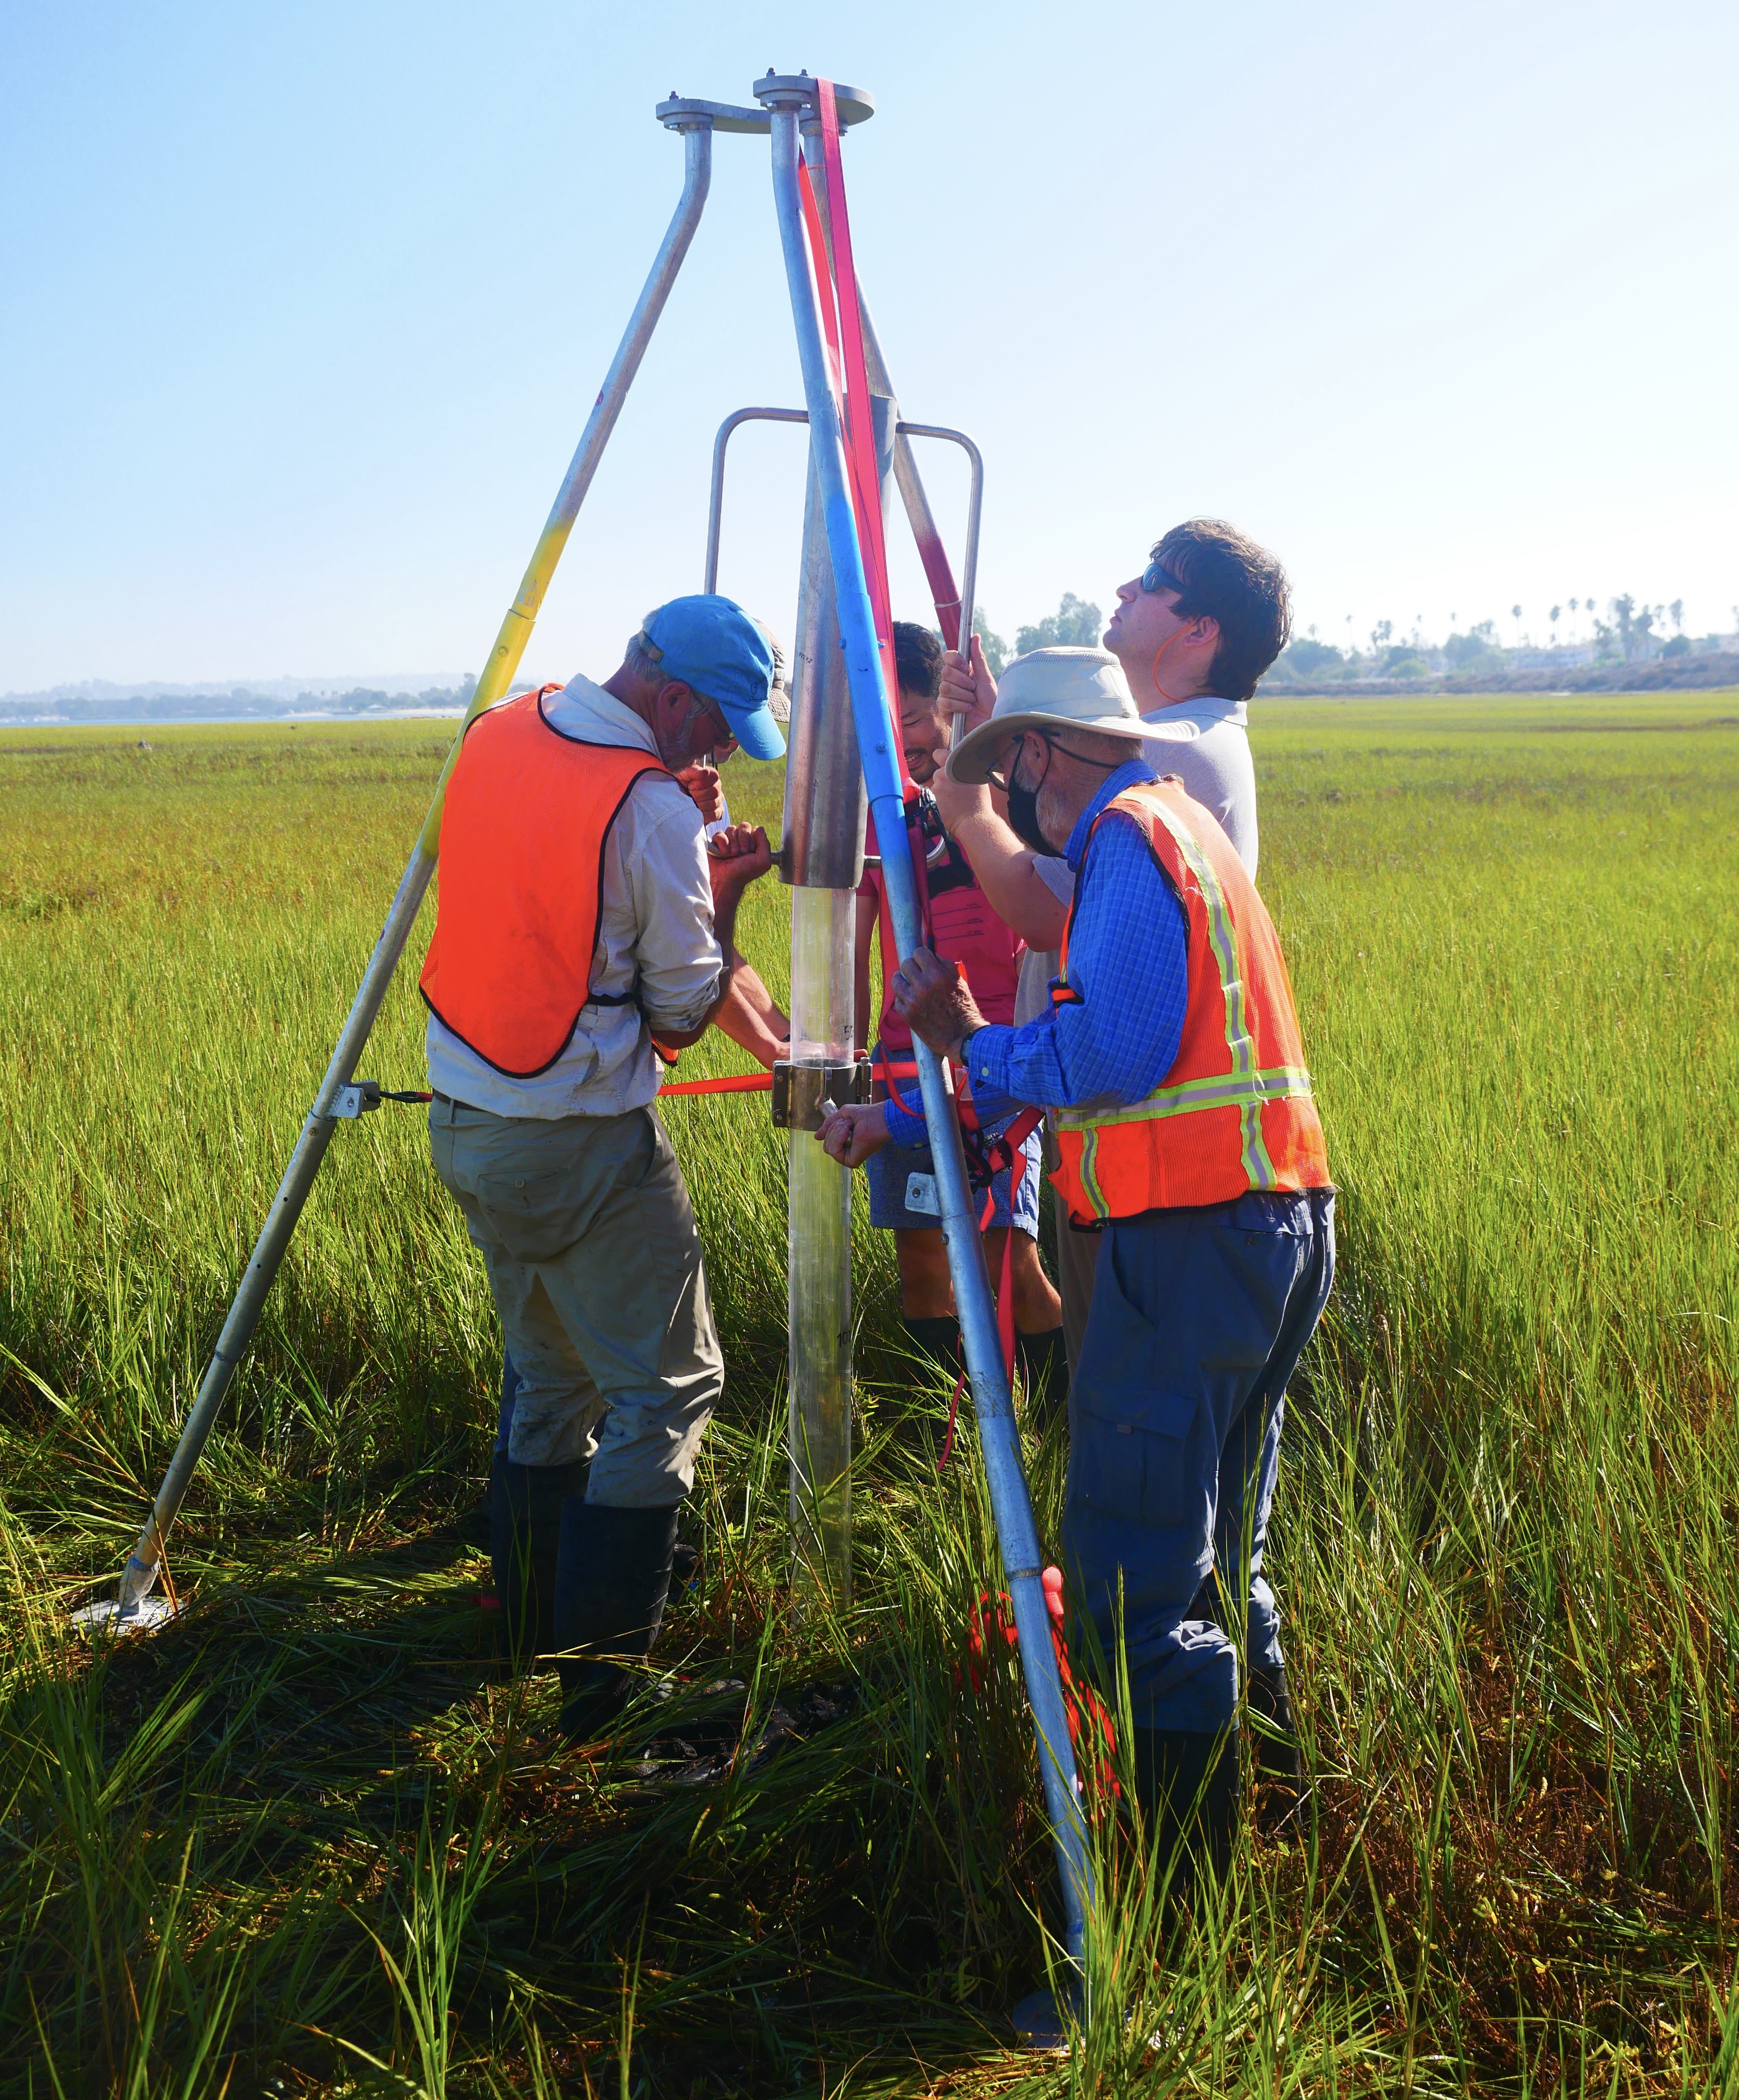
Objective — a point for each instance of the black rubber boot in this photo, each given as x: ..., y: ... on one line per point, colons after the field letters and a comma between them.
x: 1187, y: 1785
x: 938, y: 1340
x: 1274, y: 1751
x: 477, y: 1526
x: 1044, y: 1374
x: 525, y: 1530
x: 612, y: 1581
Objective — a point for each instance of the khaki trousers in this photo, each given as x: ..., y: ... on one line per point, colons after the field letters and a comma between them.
x: 587, y: 1233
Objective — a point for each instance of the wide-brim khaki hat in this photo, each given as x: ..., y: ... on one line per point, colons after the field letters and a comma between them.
x: 1051, y: 688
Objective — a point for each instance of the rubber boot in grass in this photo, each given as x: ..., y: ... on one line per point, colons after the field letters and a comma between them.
x: 1274, y: 1752
x: 612, y: 1581
x: 1187, y: 1785
x: 525, y: 1530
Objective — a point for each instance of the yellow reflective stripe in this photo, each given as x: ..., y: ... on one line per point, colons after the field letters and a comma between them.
x: 1090, y: 1187
x: 1222, y: 938
x: 1193, y: 1096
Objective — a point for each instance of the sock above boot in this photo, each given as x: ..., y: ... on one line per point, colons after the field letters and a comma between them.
x: 938, y: 1339
x: 1044, y: 1374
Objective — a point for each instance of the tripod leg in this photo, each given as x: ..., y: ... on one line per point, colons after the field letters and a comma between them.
x: 133, y: 1606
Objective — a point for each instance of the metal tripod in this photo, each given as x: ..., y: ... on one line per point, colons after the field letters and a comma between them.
x: 842, y: 763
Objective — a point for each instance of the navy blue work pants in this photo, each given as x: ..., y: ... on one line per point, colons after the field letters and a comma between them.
x: 1199, y: 1319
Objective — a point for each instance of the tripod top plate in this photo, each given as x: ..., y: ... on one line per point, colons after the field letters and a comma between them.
x: 856, y: 105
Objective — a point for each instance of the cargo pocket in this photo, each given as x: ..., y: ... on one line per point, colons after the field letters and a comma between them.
x: 1134, y: 1456
x: 1136, y: 1453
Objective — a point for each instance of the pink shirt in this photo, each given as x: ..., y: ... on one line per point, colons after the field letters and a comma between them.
x: 963, y: 929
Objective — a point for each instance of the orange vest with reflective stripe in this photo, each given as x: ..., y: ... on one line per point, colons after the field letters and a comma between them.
x: 1234, y: 1112
x: 528, y: 810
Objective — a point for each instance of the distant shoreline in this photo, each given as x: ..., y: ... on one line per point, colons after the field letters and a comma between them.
x: 1707, y: 672
x: 261, y: 719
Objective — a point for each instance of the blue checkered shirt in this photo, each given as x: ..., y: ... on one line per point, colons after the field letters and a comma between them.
x: 1128, y: 965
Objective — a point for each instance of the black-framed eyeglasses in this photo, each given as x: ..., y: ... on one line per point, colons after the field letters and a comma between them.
x: 999, y: 776
x: 709, y: 711
x: 1156, y: 577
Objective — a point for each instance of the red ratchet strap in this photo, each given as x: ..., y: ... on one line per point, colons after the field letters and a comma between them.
x: 944, y: 592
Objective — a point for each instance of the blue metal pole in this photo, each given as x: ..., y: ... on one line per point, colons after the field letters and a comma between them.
x: 992, y: 1405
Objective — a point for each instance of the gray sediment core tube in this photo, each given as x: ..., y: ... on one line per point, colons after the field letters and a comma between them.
x: 820, y: 1260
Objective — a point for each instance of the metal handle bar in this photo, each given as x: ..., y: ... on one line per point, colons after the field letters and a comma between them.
x: 716, y: 499
x: 974, y: 501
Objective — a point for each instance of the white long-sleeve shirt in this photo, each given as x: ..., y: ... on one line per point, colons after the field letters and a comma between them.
x: 1208, y: 749
x: 654, y: 934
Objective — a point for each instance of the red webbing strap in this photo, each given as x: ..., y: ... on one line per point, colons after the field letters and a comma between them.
x: 822, y: 281
x: 735, y: 1083
x: 944, y: 592
x: 859, y: 426
x: 860, y: 429
x: 991, y: 1630
x: 1004, y: 1153
x: 842, y: 323
x: 931, y: 553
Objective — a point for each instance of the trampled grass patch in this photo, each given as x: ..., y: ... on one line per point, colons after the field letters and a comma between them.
x: 310, y: 1840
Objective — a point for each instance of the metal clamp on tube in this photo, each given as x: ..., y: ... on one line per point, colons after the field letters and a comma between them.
x: 804, y: 1096
x: 999, y: 1439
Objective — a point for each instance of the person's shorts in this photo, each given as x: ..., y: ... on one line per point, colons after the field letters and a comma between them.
x: 890, y: 1172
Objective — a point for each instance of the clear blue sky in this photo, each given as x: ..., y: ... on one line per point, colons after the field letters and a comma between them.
x: 304, y: 307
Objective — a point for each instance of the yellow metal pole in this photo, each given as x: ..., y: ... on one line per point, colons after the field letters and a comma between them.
x: 515, y: 631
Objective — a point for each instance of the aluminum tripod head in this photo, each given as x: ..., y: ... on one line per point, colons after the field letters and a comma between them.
x: 683, y: 112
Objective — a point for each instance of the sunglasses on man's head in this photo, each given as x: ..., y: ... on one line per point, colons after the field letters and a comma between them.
x: 1156, y: 577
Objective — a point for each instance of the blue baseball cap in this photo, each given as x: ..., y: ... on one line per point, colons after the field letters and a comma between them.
x: 712, y: 646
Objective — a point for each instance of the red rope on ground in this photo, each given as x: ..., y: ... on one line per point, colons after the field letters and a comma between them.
x: 990, y: 1624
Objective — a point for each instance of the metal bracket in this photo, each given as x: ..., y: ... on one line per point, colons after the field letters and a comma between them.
x: 803, y: 1093
x: 362, y: 1097
x: 682, y: 113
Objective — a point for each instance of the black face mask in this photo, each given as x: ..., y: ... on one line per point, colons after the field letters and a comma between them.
x: 1023, y: 818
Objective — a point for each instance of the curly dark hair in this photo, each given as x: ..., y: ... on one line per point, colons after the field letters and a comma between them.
x: 1225, y: 576
x: 917, y: 657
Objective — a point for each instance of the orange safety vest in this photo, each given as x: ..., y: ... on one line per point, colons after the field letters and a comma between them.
x: 1234, y: 1112
x: 528, y: 811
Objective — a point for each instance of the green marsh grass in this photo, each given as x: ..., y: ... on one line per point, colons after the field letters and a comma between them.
x: 309, y: 1840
